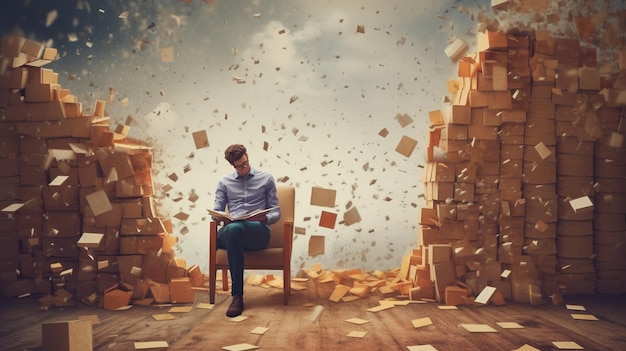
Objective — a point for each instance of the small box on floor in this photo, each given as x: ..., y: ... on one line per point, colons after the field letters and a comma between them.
x: 73, y: 335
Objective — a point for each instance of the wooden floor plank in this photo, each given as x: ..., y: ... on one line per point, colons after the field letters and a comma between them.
x: 290, y: 327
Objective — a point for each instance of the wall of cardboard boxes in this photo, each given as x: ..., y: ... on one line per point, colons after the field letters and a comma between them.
x: 78, y: 220
x: 526, y: 179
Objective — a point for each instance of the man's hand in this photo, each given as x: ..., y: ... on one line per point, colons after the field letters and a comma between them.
x: 223, y: 221
x: 258, y: 218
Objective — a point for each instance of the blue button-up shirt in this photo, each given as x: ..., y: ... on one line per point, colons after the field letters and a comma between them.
x: 254, y: 191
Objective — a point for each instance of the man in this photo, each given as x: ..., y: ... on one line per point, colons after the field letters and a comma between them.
x: 243, y: 191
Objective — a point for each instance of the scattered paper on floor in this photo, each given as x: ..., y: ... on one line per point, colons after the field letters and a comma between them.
x: 357, y: 334
x: 259, y: 330
x: 584, y: 317
x: 357, y: 321
x: 238, y: 319
x: 478, y: 328
x: 163, y: 317
x: 427, y: 347
x: 510, y: 325
x: 181, y: 309
x: 567, y: 345
x: 421, y: 322
x: 240, y: 347
x: 144, y: 345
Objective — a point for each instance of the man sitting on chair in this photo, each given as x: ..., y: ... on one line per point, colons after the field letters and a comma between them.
x: 243, y: 191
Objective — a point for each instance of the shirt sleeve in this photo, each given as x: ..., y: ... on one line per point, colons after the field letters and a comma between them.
x: 272, y: 201
x: 221, y: 198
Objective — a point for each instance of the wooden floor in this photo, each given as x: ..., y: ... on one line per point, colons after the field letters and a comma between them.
x: 291, y: 328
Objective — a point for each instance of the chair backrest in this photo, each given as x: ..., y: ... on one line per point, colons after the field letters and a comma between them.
x: 287, y: 202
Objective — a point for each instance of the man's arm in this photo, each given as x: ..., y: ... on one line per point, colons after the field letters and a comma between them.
x: 272, y: 201
x: 220, y: 202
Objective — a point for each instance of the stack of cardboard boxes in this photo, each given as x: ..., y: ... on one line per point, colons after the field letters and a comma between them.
x: 610, y: 197
x: 80, y: 222
x: 513, y: 186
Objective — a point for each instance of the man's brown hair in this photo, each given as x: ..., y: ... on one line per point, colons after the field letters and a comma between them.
x: 234, y: 152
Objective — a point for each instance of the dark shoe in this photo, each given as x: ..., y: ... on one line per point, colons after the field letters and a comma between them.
x: 236, y: 307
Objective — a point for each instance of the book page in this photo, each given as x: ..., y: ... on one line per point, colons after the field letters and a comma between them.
x: 226, y: 215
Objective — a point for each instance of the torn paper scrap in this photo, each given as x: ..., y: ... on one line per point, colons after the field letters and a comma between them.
x: 316, y: 245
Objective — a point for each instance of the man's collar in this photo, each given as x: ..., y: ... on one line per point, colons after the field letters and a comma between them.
x: 251, y: 173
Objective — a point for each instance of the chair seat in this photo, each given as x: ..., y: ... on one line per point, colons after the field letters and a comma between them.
x: 261, y: 258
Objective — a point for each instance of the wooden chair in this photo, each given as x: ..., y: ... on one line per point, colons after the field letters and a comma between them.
x: 277, y: 255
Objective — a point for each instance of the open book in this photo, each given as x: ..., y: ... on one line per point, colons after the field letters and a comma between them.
x: 226, y: 215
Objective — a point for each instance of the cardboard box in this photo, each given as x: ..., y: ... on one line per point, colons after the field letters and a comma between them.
x: 141, y: 226
x: 451, y: 230
x: 488, y: 168
x: 443, y: 274
x: 181, y: 290
x: 609, y: 170
x: 512, y: 151
x: 73, y: 335
x: 539, y: 173
x: 482, y: 132
x: 439, y: 191
x: 141, y: 244
x: 63, y: 247
x: 540, y: 230
x: 541, y: 110
x: 455, y: 295
x: 609, y: 203
x: 160, y: 292
x: 540, y: 153
x: 467, y: 212
x: 454, y: 132
x: 539, y: 191
x: 457, y: 114
x: 439, y: 253
x: 61, y: 224
x: 589, y: 78
x: 116, y: 298
x: 464, y: 192
x: 541, y: 209
x: 540, y: 131
x: 575, y: 265
x: 489, y: 40
x: 427, y: 236
x: 195, y: 275
x: 609, y: 222
x: 574, y: 165
x: 511, y: 168
x: 574, y: 186
x: 445, y: 211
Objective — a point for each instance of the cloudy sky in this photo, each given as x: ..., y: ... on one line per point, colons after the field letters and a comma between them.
x: 315, y: 81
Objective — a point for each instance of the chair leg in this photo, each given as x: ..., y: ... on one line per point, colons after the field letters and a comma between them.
x: 212, y: 285
x: 286, y: 287
x: 224, y: 279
